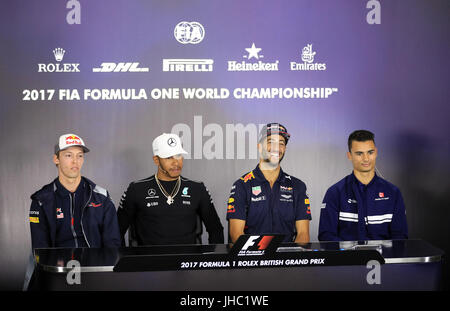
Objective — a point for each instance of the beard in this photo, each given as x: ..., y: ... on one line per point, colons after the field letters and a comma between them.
x: 168, y: 171
x: 266, y: 159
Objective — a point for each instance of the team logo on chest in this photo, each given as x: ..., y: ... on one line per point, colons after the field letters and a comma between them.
x: 381, y: 197
x: 152, y: 194
x: 256, y: 190
x: 285, y: 189
x: 185, y: 192
x: 59, y: 213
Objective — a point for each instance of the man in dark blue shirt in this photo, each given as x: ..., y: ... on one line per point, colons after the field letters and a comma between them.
x: 267, y: 200
x: 72, y: 211
x: 362, y: 206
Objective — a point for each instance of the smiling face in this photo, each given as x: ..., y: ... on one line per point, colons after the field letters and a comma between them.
x: 69, y: 162
x: 363, y: 156
x: 272, y: 150
x: 169, y: 168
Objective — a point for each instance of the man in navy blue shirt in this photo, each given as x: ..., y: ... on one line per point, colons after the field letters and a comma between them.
x: 72, y: 211
x: 267, y: 200
x: 362, y: 206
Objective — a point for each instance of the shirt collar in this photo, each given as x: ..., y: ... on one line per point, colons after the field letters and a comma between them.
x: 60, y: 189
x: 361, y: 185
x: 260, y: 176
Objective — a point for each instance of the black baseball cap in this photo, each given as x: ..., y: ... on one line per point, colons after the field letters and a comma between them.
x: 274, y: 129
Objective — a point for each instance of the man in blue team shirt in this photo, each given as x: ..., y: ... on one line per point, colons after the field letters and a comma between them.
x: 362, y: 206
x: 267, y: 200
x: 72, y: 211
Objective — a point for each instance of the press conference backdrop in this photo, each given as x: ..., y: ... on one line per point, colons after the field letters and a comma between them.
x: 119, y: 73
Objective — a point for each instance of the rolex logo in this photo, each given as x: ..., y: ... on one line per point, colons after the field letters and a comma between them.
x: 58, y: 66
x: 59, y: 54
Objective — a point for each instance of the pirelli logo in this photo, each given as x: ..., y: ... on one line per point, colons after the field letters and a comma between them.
x: 192, y: 65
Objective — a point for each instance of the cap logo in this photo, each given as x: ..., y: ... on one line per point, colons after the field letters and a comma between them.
x: 73, y: 140
x: 171, y: 142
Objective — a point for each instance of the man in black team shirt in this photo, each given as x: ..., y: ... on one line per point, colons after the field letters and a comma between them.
x: 165, y: 208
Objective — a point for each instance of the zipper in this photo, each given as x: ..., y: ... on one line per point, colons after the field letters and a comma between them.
x: 72, y: 203
x: 82, y: 212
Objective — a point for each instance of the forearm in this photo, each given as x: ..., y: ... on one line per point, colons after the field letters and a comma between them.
x: 302, y: 227
x: 236, y: 229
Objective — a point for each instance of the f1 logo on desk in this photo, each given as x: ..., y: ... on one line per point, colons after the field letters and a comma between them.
x: 256, y: 245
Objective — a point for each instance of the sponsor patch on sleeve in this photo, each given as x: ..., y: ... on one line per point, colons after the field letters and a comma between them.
x: 248, y: 177
x: 34, y: 220
x: 230, y: 208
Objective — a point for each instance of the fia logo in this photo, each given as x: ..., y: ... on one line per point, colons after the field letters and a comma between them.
x: 189, y: 32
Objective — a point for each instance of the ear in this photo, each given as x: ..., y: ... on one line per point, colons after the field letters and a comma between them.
x: 349, y: 155
x: 156, y: 160
x: 259, y: 145
x: 55, y: 159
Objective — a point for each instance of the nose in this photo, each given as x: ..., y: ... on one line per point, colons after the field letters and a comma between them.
x: 175, y: 162
x: 76, y: 159
x: 275, y: 147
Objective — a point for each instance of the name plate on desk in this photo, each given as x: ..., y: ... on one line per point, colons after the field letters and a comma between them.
x: 250, y: 251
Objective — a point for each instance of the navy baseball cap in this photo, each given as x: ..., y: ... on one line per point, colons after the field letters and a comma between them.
x: 274, y: 129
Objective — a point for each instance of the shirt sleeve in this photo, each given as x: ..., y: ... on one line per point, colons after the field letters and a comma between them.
x: 399, y: 225
x: 40, y: 235
x: 111, y: 233
x: 329, y: 217
x: 126, y: 211
x: 237, y: 202
x: 302, y: 208
x: 210, y: 218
